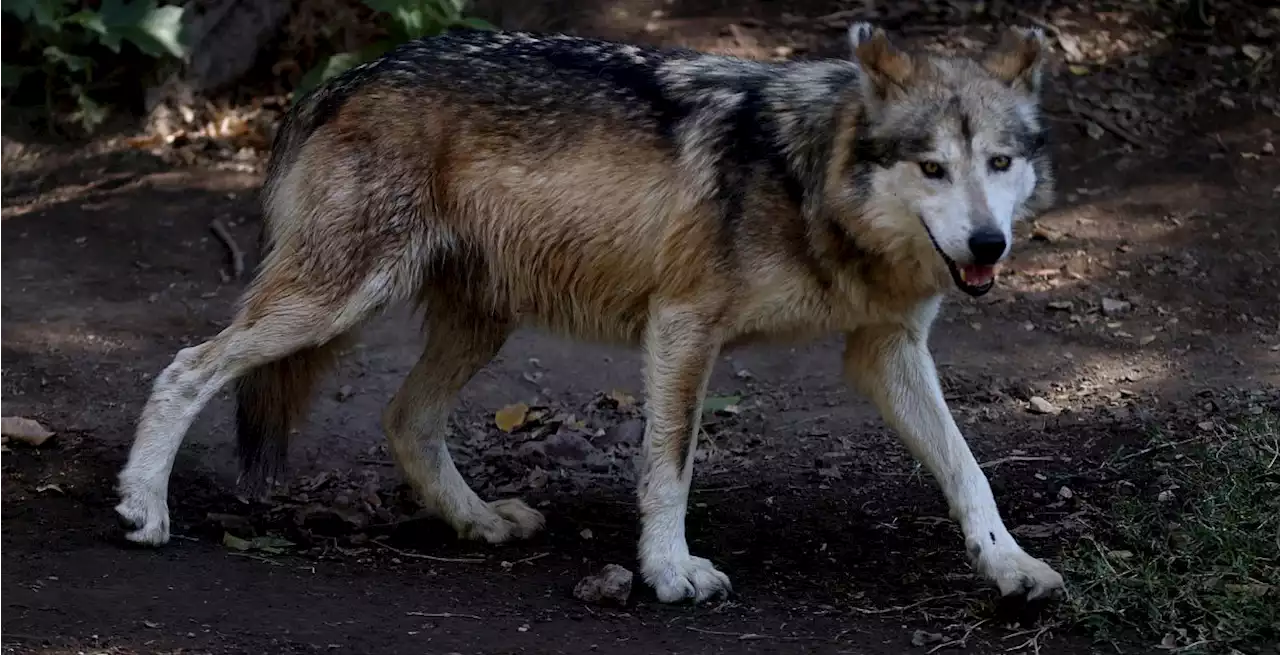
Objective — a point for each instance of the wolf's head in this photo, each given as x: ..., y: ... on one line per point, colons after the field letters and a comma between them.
x: 949, y: 152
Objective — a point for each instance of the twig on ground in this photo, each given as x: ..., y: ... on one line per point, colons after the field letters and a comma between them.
x: 903, y: 608
x: 710, y: 490
x: 257, y: 557
x: 433, y: 558
x: 750, y: 636
x: 445, y: 615
x: 1106, y: 123
x: 531, y: 558
x: 1162, y: 446
x: 957, y: 642
x: 233, y: 248
x: 1016, y: 458
x: 1034, y: 641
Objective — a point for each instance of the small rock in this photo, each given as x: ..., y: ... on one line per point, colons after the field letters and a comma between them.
x: 922, y: 638
x: 1066, y: 493
x: 330, y: 521
x: 560, y: 449
x: 344, y: 392
x: 1268, y: 148
x: 586, y: 533
x: 611, y: 586
x: 1039, y: 405
x: 1165, y: 496
x: 1060, y: 305
x: 626, y: 433
x: 1115, y: 307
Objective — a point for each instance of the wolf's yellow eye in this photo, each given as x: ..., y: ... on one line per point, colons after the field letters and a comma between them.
x: 933, y: 170
x: 1000, y: 163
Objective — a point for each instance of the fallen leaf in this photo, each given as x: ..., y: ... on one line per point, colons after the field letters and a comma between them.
x: 49, y: 487
x: 270, y: 544
x: 1077, y: 69
x: 235, y: 543
x: 622, y: 398
x: 1253, y: 52
x: 25, y: 430
x: 726, y: 404
x: 511, y: 417
x: 1252, y: 589
x: 921, y: 638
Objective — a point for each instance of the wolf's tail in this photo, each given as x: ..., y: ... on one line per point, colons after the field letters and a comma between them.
x: 270, y: 400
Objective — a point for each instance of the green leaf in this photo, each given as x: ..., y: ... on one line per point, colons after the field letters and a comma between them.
x: 90, y: 20
x: 45, y: 13
x: 73, y: 63
x: 330, y: 67
x: 270, y: 544
x: 155, y: 30
x: 88, y: 113
x: 476, y: 23
x: 165, y: 28
x: 720, y: 403
x: 235, y: 543
x: 410, y: 21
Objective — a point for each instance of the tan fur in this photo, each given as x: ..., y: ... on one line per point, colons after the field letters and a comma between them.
x: 492, y: 217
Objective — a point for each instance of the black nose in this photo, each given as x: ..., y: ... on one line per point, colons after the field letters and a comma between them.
x: 987, y: 246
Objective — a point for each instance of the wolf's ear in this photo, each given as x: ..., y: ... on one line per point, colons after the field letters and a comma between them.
x: 887, y: 67
x: 1018, y: 60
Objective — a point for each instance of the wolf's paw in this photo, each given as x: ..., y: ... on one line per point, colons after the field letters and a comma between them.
x: 687, y: 578
x: 144, y: 512
x: 1016, y: 573
x: 507, y: 519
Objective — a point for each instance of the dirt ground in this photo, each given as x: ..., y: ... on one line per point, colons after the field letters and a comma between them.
x: 1145, y: 301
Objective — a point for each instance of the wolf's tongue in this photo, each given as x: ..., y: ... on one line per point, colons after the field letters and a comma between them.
x: 977, y: 275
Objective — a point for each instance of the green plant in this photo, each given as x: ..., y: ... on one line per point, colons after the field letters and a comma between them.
x: 402, y: 20
x: 67, y: 44
x: 1193, y: 562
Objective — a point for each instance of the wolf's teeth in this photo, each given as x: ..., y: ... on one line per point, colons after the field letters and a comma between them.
x: 964, y: 277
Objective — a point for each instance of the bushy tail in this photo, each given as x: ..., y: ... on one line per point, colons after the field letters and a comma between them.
x: 270, y: 399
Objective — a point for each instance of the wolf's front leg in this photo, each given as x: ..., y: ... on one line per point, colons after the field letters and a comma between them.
x: 680, y: 349
x: 893, y: 367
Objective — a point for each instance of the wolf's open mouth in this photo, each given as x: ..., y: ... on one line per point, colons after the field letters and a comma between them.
x: 972, y: 279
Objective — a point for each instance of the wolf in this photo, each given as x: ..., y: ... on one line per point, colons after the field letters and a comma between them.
x: 670, y: 199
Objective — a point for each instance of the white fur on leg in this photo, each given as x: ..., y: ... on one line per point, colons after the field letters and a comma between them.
x: 895, y: 369
x: 415, y: 423
x: 665, y: 562
x: 677, y: 347
x: 179, y: 392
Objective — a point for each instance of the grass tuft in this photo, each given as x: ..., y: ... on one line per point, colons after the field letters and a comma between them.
x: 1190, y: 557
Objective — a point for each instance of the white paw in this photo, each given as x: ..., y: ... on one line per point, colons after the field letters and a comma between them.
x: 145, y: 510
x: 506, y: 519
x: 687, y: 578
x: 1015, y: 572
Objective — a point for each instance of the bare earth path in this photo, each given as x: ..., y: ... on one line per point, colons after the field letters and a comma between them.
x: 1146, y: 300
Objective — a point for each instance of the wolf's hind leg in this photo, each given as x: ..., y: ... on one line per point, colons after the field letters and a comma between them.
x: 459, y: 344
x: 275, y: 325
